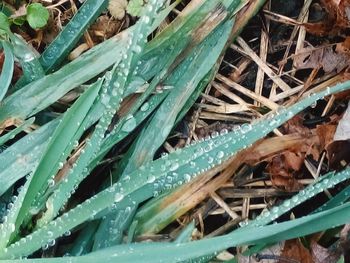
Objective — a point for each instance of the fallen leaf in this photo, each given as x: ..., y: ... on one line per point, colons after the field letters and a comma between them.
x: 322, y: 255
x: 281, y: 174
x: 284, y: 167
x: 325, y: 134
x: 336, y: 19
x: 324, y: 58
x: 338, y: 154
x: 104, y: 28
x: 295, y: 125
x: 294, y: 250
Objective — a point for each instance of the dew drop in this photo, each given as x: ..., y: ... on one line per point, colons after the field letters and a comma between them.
x: 151, y: 179
x: 130, y: 124
x: 187, y: 177
x: 51, y: 182
x: 118, y: 197
x: 145, y: 107
x: 174, y: 166
x: 220, y: 154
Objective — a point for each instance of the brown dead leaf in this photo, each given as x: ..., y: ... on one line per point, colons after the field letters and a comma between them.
x: 322, y: 255
x: 338, y: 154
x: 104, y: 28
x: 295, y: 125
x: 282, y: 175
x: 324, y: 58
x: 325, y: 134
x: 294, y: 250
x: 285, y: 167
x: 336, y: 20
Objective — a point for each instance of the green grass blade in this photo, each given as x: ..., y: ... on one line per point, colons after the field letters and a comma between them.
x: 7, y: 70
x: 22, y: 157
x: 325, y: 182
x: 53, y: 159
x: 31, y: 67
x: 186, y: 233
x: 205, y: 154
x: 113, y: 90
x: 58, y: 50
x: 82, y: 245
x: 8, y: 227
x: 336, y: 200
x: 202, y: 59
x: 154, y: 252
x: 184, y: 83
x: 38, y: 95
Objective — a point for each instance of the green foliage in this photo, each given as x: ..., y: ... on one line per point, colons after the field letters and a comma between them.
x: 59, y: 49
x: 58, y: 157
x: 4, y: 23
x: 134, y: 7
x: 37, y: 15
x: 7, y: 69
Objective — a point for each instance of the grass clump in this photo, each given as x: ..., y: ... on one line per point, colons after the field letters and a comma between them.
x: 64, y: 187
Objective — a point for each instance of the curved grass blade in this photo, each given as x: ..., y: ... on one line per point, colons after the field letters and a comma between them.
x: 58, y: 50
x: 8, y: 227
x: 66, y: 79
x: 204, y: 155
x: 113, y: 90
x: 52, y: 159
x: 184, y: 83
x: 7, y: 70
x: 10, y: 135
x: 82, y: 245
x: 186, y: 233
x: 40, y: 94
x: 31, y: 67
x: 325, y: 182
x: 202, y: 59
x: 22, y: 157
x: 336, y: 200
x: 154, y: 252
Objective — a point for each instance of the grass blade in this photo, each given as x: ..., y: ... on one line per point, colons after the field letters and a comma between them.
x: 58, y: 50
x: 153, y: 252
x: 114, y: 87
x: 216, y: 150
x: 28, y: 58
x: 52, y: 160
x: 22, y: 157
x: 7, y: 70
